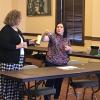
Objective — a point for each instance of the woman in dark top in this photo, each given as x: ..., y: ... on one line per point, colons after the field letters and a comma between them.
x: 57, y: 55
x: 12, y: 53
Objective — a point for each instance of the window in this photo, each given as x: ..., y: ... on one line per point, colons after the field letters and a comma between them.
x: 72, y: 13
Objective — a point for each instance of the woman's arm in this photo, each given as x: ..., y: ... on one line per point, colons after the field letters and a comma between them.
x: 67, y: 46
x: 5, y: 41
x: 47, y: 36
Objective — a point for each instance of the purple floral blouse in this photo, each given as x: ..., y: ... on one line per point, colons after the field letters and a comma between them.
x: 56, y: 53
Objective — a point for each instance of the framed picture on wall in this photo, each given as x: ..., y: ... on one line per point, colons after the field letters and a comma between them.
x: 38, y: 7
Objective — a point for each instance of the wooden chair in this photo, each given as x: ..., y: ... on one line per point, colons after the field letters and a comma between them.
x: 83, y: 83
x: 33, y: 91
x: 37, y: 92
x: 87, y: 82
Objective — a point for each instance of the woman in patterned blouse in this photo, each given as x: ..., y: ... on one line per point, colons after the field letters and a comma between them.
x: 58, y: 48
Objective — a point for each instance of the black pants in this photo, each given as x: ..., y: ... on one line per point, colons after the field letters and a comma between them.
x: 56, y: 83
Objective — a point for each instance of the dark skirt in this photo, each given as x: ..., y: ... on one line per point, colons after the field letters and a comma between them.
x: 9, y: 89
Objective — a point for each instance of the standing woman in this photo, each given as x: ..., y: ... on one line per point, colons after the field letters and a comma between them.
x: 58, y: 48
x: 11, y: 54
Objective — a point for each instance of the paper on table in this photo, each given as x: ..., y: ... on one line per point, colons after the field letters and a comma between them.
x: 68, y: 68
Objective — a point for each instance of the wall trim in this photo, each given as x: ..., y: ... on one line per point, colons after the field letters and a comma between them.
x: 92, y: 38
x: 85, y: 37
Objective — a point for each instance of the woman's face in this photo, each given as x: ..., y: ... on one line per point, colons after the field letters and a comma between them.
x: 60, y: 29
x: 18, y: 21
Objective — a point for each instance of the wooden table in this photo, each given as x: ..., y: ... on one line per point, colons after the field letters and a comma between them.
x: 52, y: 72
x: 84, y: 55
x: 38, y: 48
x: 43, y: 47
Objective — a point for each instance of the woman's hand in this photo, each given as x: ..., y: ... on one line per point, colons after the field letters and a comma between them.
x: 45, y: 36
x: 32, y: 42
x: 46, y: 32
x: 68, y: 48
x: 24, y: 44
x: 21, y: 45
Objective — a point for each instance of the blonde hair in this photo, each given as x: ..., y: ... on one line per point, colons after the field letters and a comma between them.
x: 11, y: 18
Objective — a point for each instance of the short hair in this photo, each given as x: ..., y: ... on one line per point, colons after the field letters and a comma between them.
x: 11, y: 18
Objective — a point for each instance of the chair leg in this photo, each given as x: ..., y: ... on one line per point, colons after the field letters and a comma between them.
x: 92, y: 95
x: 84, y: 93
x: 94, y: 91
x: 67, y: 90
x: 75, y: 92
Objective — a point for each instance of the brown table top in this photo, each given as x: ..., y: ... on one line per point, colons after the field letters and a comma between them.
x: 52, y: 72
x: 38, y: 48
x: 84, y: 55
x: 43, y: 47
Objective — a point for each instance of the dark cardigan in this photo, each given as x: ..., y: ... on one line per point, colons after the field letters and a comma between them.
x: 9, y: 38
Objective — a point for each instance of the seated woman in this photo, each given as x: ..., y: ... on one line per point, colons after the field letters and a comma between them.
x: 58, y: 48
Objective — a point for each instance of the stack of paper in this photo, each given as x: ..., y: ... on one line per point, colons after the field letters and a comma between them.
x: 68, y: 68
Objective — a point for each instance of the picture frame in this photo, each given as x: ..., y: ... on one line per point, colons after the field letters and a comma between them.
x: 38, y: 7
